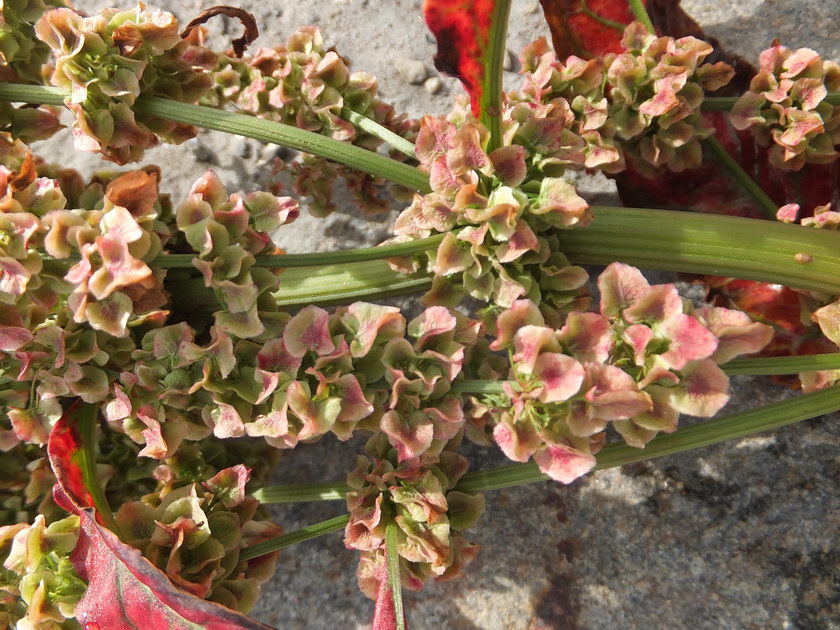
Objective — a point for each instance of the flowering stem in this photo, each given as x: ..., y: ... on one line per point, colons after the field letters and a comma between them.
x: 701, y: 434
x: 383, y: 133
x: 339, y: 284
x: 706, y: 433
x: 768, y: 206
x: 725, y: 103
x: 651, y: 239
x: 776, y: 366
x: 90, y: 476
x: 301, y: 492
x: 492, y: 88
x: 708, y: 244
x: 286, y: 540
x: 392, y: 557
x: 250, y: 127
x: 641, y: 14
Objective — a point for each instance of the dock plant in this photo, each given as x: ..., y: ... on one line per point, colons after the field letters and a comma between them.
x: 158, y: 355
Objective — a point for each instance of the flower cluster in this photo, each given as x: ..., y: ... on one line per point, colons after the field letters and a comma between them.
x: 39, y: 587
x: 562, y: 112
x: 227, y: 232
x: 309, y: 86
x: 639, y: 363
x: 417, y: 497
x: 643, y: 103
x: 499, y: 240
x: 107, y: 61
x: 21, y: 54
x: 194, y: 533
x: 786, y: 106
x: 355, y: 369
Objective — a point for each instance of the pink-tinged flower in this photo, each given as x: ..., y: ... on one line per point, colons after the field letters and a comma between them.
x: 621, y: 286
x: 703, y: 389
x: 586, y: 336
x: 120, y: 407
x: 411, y: 434
x: 654, y: 305
x: 737, y: 333
x: 226, y: 421
x: 29, y: 426
x: 613, y: 393
x: 564, y: 463
x: 274, y: 357
x: 370, y: 324
x: 559, y: 203
x: 688, y: 340
x: 13, y: 338
x: 119, y: 268
x: 14, y: 277
x: 518, y: 440
x: 308, y: 331
x: 529, y: 342
x: 228, y: 485
x: 433, y: 322
x: 521, y: 313
x: 316, y: 416
x: 560, y: 376
x: 509, y: 164
x: 828, y: 319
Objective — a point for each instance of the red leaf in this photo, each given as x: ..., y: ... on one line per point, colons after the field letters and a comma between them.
x: 65, y: 451
x: 125, y: 591
x: 580, y: 27
x: 462, y: 31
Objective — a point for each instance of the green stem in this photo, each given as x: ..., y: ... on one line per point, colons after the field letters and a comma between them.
x: 373, y: 128
x: 90, y: 476
x: 706, y: 433
x: 641, y: 14
x: 708, y: 244
x: 392, y: 557
x: 768, y: 206
x: 492, y: 85
x: 725, y: 103
x: 250, y: 127
x: 347, y: 283
x: 718, y: 245
x: 777, y: 366
x: 287, y: 261
x: 307, y: 533
x: 766, y: 418
x: 303, y: 492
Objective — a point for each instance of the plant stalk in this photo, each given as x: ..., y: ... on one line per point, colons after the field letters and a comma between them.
x: 706, y: 433
x: 725, y: 103
x: 373, y: 128
x: 87, y: 432
x: 392, y: 557
x: 250, y: 127
x: 340, y: 284
x: 307, y: 533
x: 641, y: 14
x: 779, y: 366
x: 708, y: 244
x: 492, y: 88
x: 302, y: 492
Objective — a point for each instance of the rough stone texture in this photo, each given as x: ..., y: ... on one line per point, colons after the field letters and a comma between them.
x: 740, y: 535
